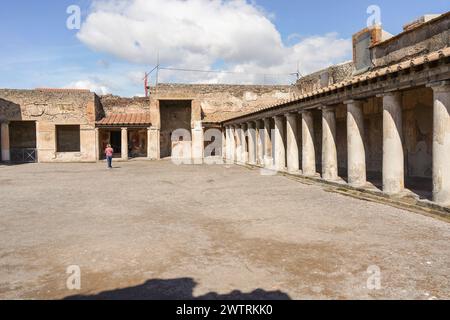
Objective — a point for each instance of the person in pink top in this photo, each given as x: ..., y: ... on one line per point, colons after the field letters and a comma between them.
x: 109, y: 151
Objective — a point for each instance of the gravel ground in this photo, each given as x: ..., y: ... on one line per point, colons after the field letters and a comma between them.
x: 154, y: 230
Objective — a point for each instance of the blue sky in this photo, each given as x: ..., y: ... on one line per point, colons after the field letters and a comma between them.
x: 39, y: 51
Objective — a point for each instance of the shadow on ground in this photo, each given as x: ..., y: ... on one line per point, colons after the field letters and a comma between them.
x: 177, y: 289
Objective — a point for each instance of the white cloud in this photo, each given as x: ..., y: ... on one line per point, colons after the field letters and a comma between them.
x: 236, y: 34
x: 98, y: 88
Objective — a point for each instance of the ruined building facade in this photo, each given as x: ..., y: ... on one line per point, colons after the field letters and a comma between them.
x: 381, y: 120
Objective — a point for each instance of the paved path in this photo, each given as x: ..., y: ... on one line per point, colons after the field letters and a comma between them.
x: 156, y: 230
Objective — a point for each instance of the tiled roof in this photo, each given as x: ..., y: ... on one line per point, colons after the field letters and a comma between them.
x: 433, y: 56
x: 125, y: 119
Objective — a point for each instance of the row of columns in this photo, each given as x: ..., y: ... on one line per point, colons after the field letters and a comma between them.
x: 274, y: 154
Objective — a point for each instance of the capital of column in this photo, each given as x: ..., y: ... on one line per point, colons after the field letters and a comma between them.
x: 251, y: 124
x: 354, y: 101
x: 440, y: 86
x: 305, y: 111
x: 290, y: 115
x: 392, y: 93
x: 327, y: 108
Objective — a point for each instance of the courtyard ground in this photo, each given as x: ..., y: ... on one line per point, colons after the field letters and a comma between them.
x: 155, y: 230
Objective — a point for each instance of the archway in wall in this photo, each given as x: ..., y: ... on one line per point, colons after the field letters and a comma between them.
x: 175, y: 115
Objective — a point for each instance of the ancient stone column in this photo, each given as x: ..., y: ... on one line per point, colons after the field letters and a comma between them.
x: 124, y: 145
x: 198, y: 143
x: 293, y: 161
x: 154, y: 137
x: 232, y: 144
x: 280, y: 150
x: 224, y: 144
x: 251, y: 133
x: 393, y: 159
x: 6, y: 153
x: 355, y: 140
x: 238, y: 137
x: 308, y: 148
x: 268, y: 158
x: 329, y: 151
x: 441, y: 143
x: 244, y: 154
x: 97, y: 144
x: 260, y: 142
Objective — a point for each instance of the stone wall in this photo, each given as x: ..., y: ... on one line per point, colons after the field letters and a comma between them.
x: 219, y: 101
x: 325, y: 77
x: 114, y: 104
x: 427, y: 37
x: 49, y: 108
x: 418, y: 132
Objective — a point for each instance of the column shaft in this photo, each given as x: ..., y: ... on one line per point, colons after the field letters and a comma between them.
x: 97, y: 144
x: 224, y: 144
x: 251, y: 133
x: 6, y: 153
x: 293, y: 161
x: 308, y: 148
x: 441, y: 143
x: 244, y: 154
x: 393, y: 158
x: 124, y: 146
x: 232, y: 144
x: 260, y: 142
x: 268, y: 158
x: 355, y: 139
x: 280, y: 150
x: 329, y: 151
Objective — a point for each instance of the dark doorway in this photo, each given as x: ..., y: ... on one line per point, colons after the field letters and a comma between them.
x: 116, y: 141
x: 175, y: 115
x: 22, y: 137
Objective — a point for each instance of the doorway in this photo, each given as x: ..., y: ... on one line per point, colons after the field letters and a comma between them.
x: 175, y: 115
x: 116, y: 141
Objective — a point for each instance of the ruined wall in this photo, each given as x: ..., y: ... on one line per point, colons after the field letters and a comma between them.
x: 418, y: 132
x: 429, y: 36
x: 49, y: 108
x: 114, y: 105
x: 325, y: 77
x: 220, y: 101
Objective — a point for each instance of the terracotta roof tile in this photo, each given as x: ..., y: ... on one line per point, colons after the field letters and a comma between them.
x: 125, y: 119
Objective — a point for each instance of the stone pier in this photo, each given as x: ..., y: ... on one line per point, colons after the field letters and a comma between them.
x: 268, y: 158
x: 393, y: 158
x: 357, y: 175
x: 293, y: 161
x: 329, y: 151
x: 308, y: 148
x: 251, y: 132
x: 441, y: 143
x: 6, y: 153
x: 280, y: 150
x: 124, y: 145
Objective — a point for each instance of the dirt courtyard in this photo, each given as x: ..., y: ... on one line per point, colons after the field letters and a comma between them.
x: 154, y: 230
